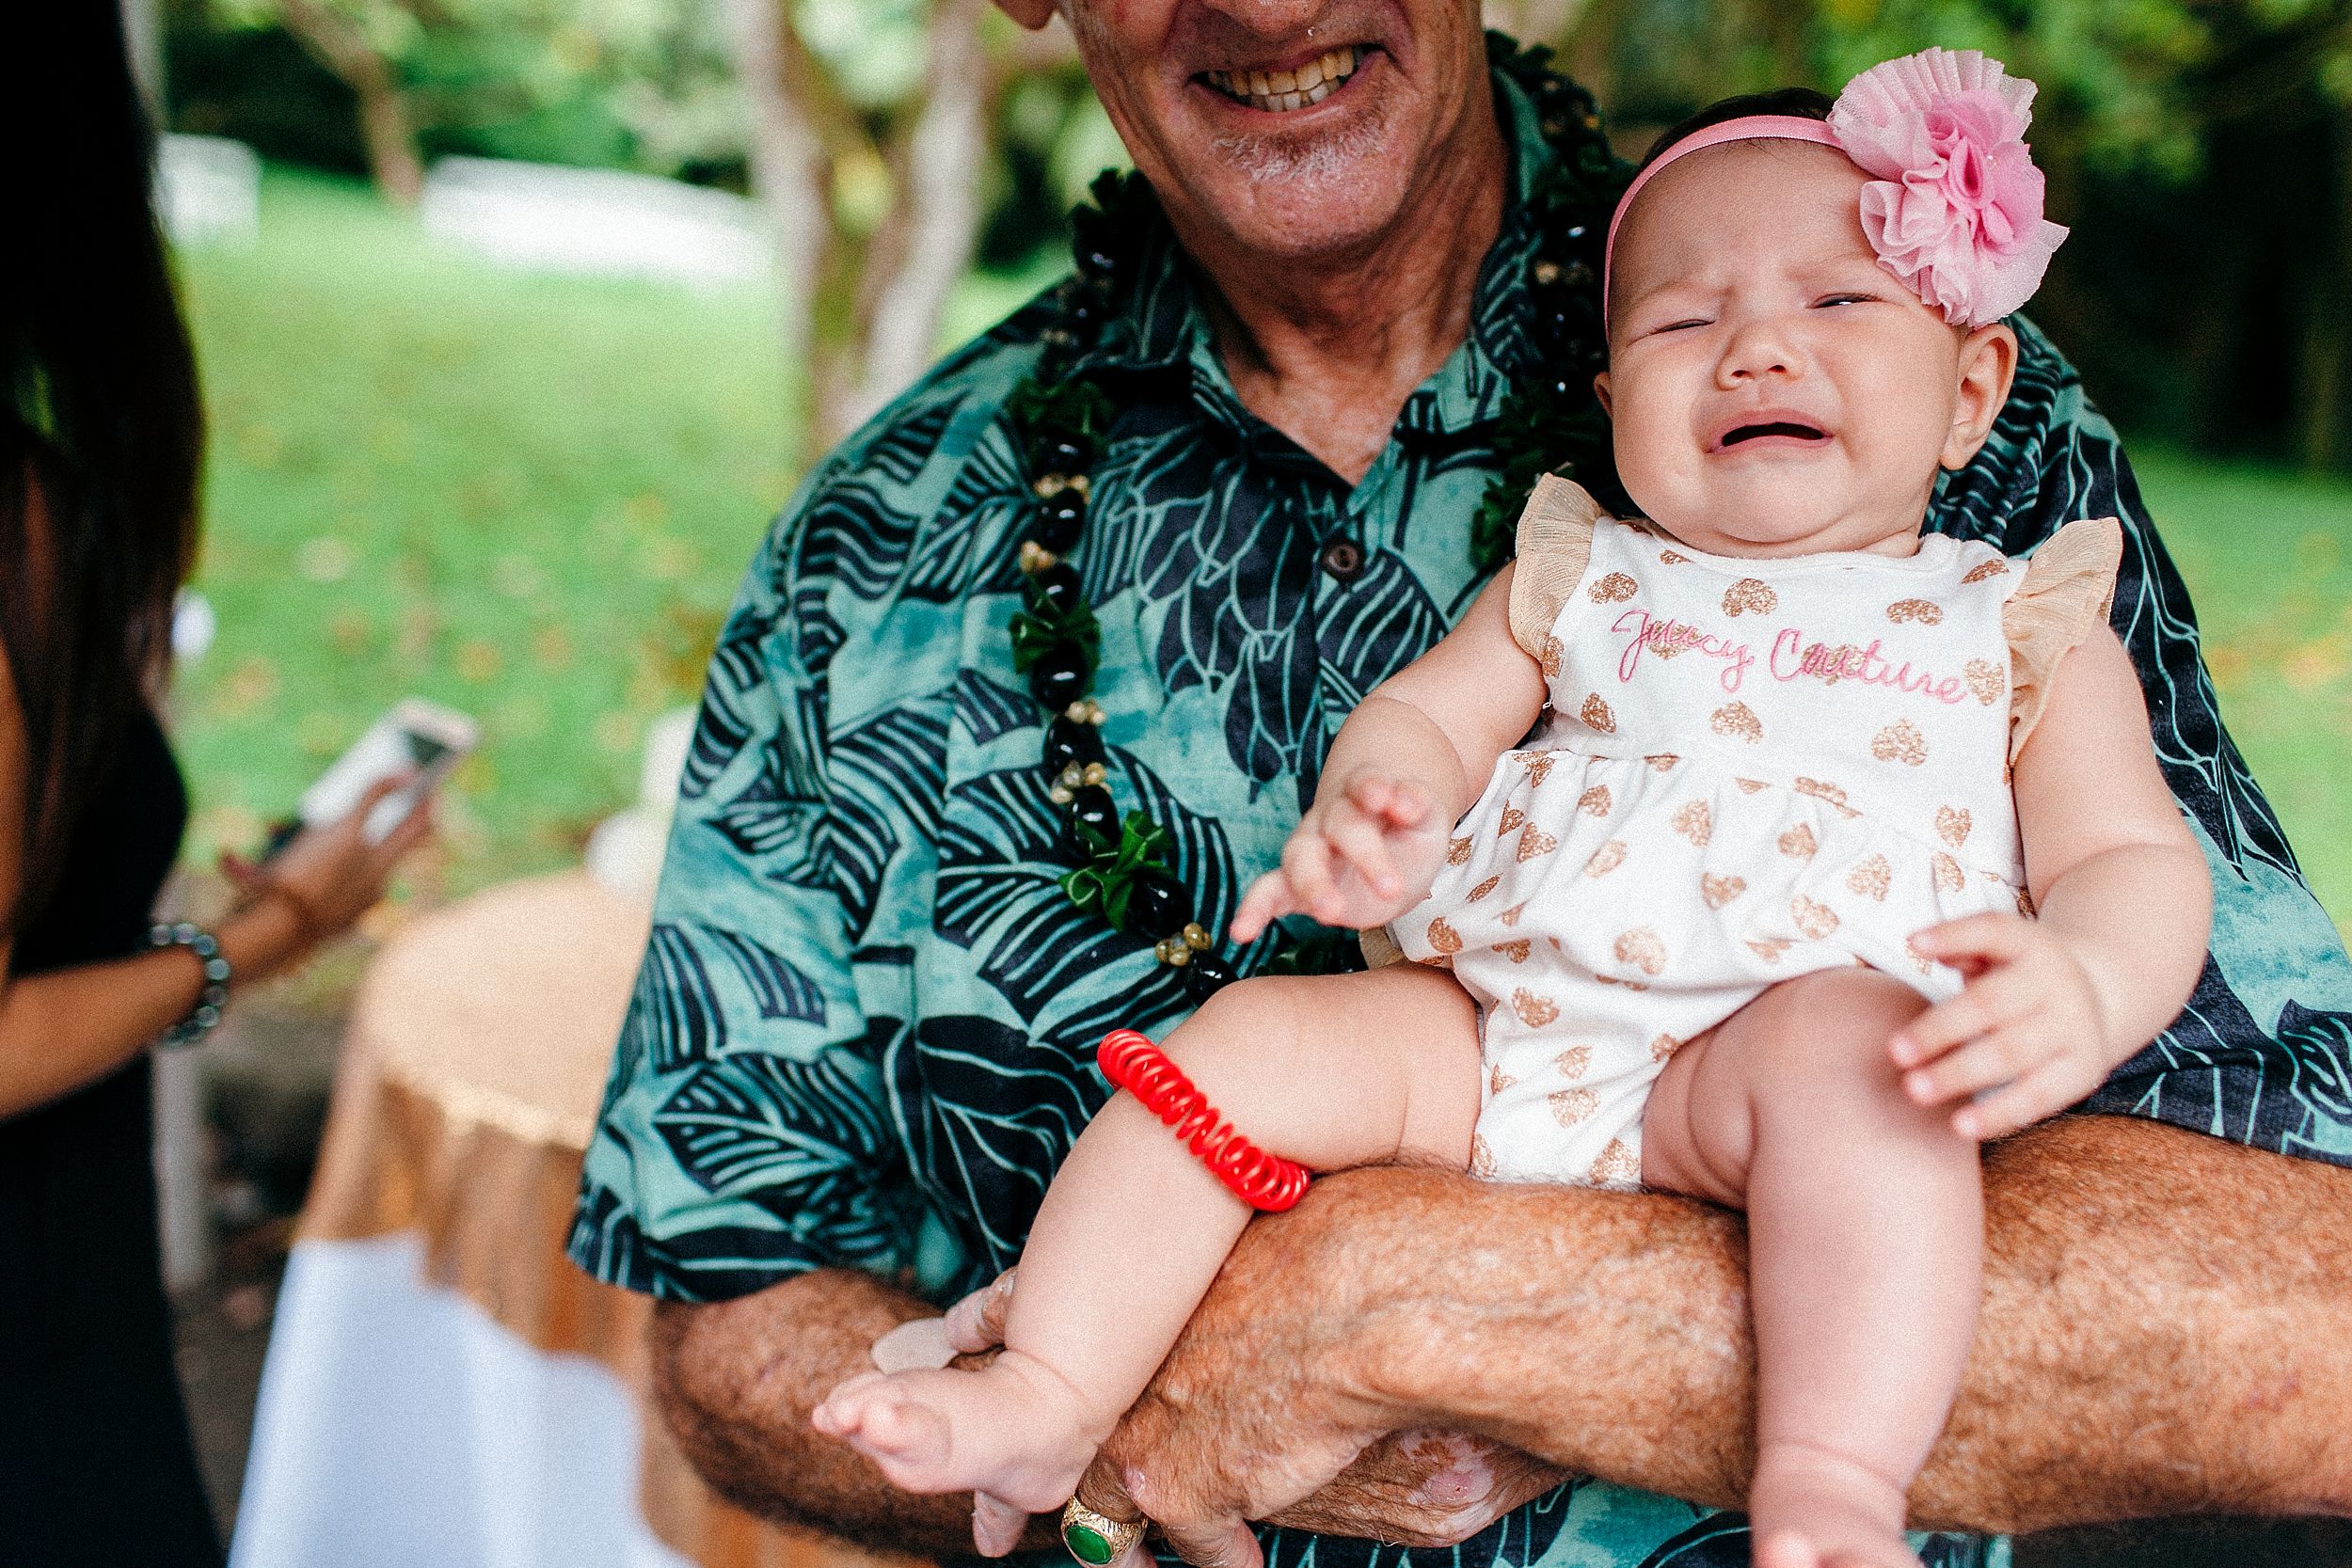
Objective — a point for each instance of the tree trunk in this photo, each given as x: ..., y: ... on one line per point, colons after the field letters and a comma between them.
x: 385, y: 126
x: 939, y: 197
x: 788, y: 168
x: 2327, y: 379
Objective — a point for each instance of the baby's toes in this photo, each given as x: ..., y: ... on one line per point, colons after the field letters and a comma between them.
x: 908, y: 1437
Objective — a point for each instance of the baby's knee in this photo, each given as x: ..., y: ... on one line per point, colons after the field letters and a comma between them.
x: 1238, y: 1033
x: 1830, y: 1028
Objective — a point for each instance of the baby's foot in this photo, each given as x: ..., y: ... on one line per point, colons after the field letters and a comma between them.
x: 1810, y: 1507
x: 1015, y: 1430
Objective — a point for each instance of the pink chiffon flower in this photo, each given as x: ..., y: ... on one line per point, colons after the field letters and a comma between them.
x: 1954, y: 207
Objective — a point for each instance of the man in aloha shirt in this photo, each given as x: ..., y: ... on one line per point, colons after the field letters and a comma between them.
x: 863, y: 1035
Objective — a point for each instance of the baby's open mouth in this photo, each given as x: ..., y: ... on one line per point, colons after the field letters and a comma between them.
x: 1280, y: 92
x: 1780, y: 429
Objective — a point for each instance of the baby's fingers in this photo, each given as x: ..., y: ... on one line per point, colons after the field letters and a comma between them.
x: 1388, y: 802
x: 1990, y: 1001
x: 2036, y: 1097
x: 1307, y: 861
x: 1360, y: 842
x: 1270, y: 898
x: 1995, y: 1058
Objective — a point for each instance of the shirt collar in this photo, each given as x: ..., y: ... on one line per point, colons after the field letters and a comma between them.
x: 1163, y: 327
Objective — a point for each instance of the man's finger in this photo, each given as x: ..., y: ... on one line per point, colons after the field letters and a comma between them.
x: 1219, y: 1543
x: 977, y: 1323
x: 996, y: 1525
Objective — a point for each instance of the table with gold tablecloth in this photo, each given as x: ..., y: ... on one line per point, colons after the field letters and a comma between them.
x: 443, y: 1385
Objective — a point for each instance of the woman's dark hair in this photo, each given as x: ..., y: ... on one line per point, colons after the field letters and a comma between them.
x: 1803, y: 102
x: 100, y: 429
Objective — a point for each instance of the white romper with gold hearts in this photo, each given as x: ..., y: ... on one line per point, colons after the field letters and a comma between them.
x: 1750, y: 769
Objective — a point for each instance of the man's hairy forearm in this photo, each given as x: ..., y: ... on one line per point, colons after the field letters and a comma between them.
x: 2163, y: 1328
x: 735, y: 1380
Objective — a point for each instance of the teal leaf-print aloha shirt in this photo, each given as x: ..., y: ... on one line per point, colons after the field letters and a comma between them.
x: 863, y: 1034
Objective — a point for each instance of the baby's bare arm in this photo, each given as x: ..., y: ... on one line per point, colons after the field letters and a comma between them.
x: 1408, y: 761
x: 2053, y: 1005
x: 2114, y: 868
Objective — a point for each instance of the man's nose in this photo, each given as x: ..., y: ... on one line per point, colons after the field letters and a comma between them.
x: 1759, y: 350
x: 1279, y: 20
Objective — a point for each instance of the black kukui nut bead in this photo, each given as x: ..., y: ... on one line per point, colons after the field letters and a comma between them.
x: 1093, y: 811
x: 1066, y: 741
x: 1057, y: 587
x: 1159, y: 906
x: 1205, y: 975
x: 1057, y: 454
x: 1058, y: 678
x: 1060, y: 517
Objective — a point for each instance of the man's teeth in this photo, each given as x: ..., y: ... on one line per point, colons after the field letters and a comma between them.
x: 1279, y: 90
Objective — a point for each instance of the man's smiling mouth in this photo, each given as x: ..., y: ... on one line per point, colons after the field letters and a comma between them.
x: 1280, y: 92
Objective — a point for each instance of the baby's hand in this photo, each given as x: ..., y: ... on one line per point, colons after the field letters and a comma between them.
x: 1364, y: 854
x: 2028, y: 1022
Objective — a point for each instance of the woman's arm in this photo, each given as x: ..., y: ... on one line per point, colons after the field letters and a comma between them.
x: 67, y: 1027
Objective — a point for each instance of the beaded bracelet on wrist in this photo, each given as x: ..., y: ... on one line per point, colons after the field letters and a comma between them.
x: 211, y: 1001
x: 1549, y: 423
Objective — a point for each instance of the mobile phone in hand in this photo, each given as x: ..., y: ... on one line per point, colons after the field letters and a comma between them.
x: 416, y: 735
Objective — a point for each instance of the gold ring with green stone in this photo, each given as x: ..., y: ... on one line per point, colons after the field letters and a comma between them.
x: 1092, y: 1539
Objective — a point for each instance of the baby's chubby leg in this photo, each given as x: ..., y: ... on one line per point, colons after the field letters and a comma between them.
x: 1865, y: 1234
x: 1328, y: 1070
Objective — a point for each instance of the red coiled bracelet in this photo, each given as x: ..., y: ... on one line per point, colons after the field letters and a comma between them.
x: 1262, y: 1181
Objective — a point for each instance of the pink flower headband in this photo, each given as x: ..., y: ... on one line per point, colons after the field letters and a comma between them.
x: 1954, y: 204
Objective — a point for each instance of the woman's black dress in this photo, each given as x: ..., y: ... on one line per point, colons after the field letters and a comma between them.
x: 96, y: 1466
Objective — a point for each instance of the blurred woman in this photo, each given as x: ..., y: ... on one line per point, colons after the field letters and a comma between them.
x: 100, y: 436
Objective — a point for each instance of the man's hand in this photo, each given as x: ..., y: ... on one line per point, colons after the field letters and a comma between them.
x: 1364, y: 854
x: 2028, y: 1035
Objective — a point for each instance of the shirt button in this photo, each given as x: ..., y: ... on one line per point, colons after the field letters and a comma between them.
x: 1341, y: 558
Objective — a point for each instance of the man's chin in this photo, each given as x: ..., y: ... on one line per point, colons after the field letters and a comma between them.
x: 1330, y: 192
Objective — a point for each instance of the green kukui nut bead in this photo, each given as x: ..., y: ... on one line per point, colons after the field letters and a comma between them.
x: 1085, y: 1543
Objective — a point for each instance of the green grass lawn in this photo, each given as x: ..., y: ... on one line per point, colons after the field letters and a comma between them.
x: 531, y: 498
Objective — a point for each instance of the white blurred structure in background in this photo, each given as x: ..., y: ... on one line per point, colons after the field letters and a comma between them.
x: 625, y: 852
x: 208, y: 190
x: 596, y: 222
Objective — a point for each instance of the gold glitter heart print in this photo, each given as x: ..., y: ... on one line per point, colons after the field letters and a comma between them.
x: 1900, y: 741
x: 1613, y: 589
x: 1871, y: 878
x: 1737, y: 721
x: 1815, y: 919
x: 1570, y: 1106
x: 1750, y: 596
x: 1642, y: 948
x: 1925, y: 611
x: 1597, y: 715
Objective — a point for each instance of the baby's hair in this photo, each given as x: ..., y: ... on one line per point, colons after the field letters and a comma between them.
x: 1803, y: 102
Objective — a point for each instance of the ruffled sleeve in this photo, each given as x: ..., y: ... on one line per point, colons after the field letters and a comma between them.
x: 2068, y: 585
x: 1555, y: 544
